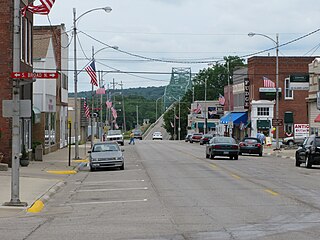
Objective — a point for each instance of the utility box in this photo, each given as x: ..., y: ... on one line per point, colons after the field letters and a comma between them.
x: 38, y: 155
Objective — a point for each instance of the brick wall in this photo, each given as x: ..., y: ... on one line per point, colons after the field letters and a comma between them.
x: 266, y: 66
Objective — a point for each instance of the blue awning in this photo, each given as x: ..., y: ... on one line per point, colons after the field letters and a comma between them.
x: 235, y: 118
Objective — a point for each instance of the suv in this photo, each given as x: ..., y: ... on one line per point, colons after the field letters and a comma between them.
x: 195, y: 137
x: 137, y: 134
x: 309, y: 152
x: 290, y: 141
x: 115, y: 135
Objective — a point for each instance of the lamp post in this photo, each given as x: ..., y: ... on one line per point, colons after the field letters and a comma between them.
x: 75, y: 19
x: 277, y: 79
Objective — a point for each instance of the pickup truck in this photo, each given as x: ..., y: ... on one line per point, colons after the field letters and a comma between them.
x: 115, y: 135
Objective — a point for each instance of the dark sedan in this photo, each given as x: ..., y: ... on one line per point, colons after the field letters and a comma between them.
x: 309, y: 152
x: 106, y: 155
x: 205, y: 139
x: 251, y: 145
x: 222, y: 146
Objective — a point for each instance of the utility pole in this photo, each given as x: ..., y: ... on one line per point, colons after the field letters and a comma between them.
x: 137, y: 112
x: 179, y: 127
x: 174, y: 123
x: 205, y: 106
x: 123, y: 111
x: 114, y: 100
x: 100, y: 127
x: 15, y: 175
x: 92, y: 105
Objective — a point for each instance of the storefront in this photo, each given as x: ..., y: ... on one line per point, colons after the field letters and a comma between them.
x: 235, y: 123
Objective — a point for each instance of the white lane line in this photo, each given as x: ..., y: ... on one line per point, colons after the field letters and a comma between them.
x: 111, y: 189
x: 106, y: 202
x: 114, y: 181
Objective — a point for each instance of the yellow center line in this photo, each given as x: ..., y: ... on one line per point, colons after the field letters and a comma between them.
x: 271, y: 192
x: 235, y: 176
x: 80, y: 161
x: 64, y: 172
x: 213, y: 166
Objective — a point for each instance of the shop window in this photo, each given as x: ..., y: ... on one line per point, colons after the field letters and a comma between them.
x: 263, y: 111
x: 288, y: 92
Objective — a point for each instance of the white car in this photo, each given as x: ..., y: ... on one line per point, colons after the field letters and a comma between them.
x: 157, y: 135
x: 115, y: 135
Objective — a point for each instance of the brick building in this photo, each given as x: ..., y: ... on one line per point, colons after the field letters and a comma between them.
x: 6, y: 68
x: 292, y: 103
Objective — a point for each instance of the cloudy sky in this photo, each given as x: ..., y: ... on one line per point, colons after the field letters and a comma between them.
x: 180, y: 33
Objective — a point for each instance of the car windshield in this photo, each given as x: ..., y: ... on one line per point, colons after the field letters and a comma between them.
x: 317, y: 141
x: 224, y: 140
x: 105, y: 147
x: 207, y: 136
x: 114, y: 132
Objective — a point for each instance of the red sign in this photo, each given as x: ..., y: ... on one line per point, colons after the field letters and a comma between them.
x: 20, y: 75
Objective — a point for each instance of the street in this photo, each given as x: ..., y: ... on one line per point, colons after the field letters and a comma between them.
x: 169, y: 190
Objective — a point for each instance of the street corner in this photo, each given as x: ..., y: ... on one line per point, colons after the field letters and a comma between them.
x: 39, y: 204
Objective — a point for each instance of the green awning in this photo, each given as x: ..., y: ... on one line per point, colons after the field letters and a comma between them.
x: 210, y: 125
x: 288, y: 117
x: 36, y: 114
x: 263, y: 124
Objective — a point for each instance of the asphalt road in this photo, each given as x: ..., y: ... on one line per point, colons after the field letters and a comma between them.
x: 169, y: 190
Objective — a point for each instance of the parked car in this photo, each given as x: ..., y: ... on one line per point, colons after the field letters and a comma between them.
x: 115, y: 135
x: 106, y: 155
x: 157, y: 135
x: 222, y: 146
x: 137, y: 134
x: 205, y: 139
x: 309, y: 152
x: 195, y: 137
x: 251, y: 145
x: 290, y: 141
x: 187, y: 138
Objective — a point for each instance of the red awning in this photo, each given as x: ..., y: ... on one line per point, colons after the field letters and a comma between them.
x: 317, y: 119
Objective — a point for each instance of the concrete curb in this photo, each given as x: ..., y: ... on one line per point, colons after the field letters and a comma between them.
x: 38, y: 205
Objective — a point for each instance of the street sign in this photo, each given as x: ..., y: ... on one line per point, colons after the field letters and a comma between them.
x: 277, y: 122
x: 21, y: 75
x: 25, y: 108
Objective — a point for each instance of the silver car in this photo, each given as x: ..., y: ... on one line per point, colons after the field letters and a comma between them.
x: 106, y: 155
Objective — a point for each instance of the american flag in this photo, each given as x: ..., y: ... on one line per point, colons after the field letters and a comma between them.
x: 198, y: 109
x: 91, y: 70
x: 86, y: 109
x: 42, y: 9
x: 221, y: 99
x: 108, y: 104
x: 114, y: 113
x: 101, y: 91
x: 267, y: 83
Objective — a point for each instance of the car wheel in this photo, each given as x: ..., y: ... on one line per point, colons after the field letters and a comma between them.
x: 191, y: 141
x: 230, y: 157
x: 207, y: 155
x: 92, y: 169
x: 309, y: 162
x: 240, y: 153
x: 297, y: 160
x: 122, y: 143
x: 290, y: 143
x: 211, y: 156
x: 260, y: 154
x: 235, y: 157
x: 201, y: 143
x: 122, y: 167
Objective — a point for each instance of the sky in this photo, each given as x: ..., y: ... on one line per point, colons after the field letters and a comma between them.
x: 153, y: 36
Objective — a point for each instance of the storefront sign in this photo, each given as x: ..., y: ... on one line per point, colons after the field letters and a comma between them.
x: 301, y: 130
x: 299, y: 82
x: 246, y: 93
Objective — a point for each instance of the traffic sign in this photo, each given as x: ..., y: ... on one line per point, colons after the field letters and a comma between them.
x: 277, y: 122
x: 21, y: 75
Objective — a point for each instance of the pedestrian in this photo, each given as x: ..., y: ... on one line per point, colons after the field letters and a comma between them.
x: 131, y: 138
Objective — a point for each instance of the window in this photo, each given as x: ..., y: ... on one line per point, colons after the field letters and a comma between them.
x: 263, y: 111
x: 288, y: 92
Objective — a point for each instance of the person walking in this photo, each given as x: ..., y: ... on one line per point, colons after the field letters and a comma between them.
x: 131, y: 138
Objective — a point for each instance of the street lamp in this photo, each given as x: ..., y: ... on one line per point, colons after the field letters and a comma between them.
x: 277, y: 79
x: 75, y: 19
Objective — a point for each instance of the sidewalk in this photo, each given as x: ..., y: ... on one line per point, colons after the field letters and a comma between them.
x: 282, y: 153
x: 35, y: 180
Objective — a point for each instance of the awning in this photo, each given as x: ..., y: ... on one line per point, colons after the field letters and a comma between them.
x: 210, y: 125
x: 36, y: 115
x: 288, y: 117
x: 235, y: 118
x: 263, y: 124
x: 317, y: 119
